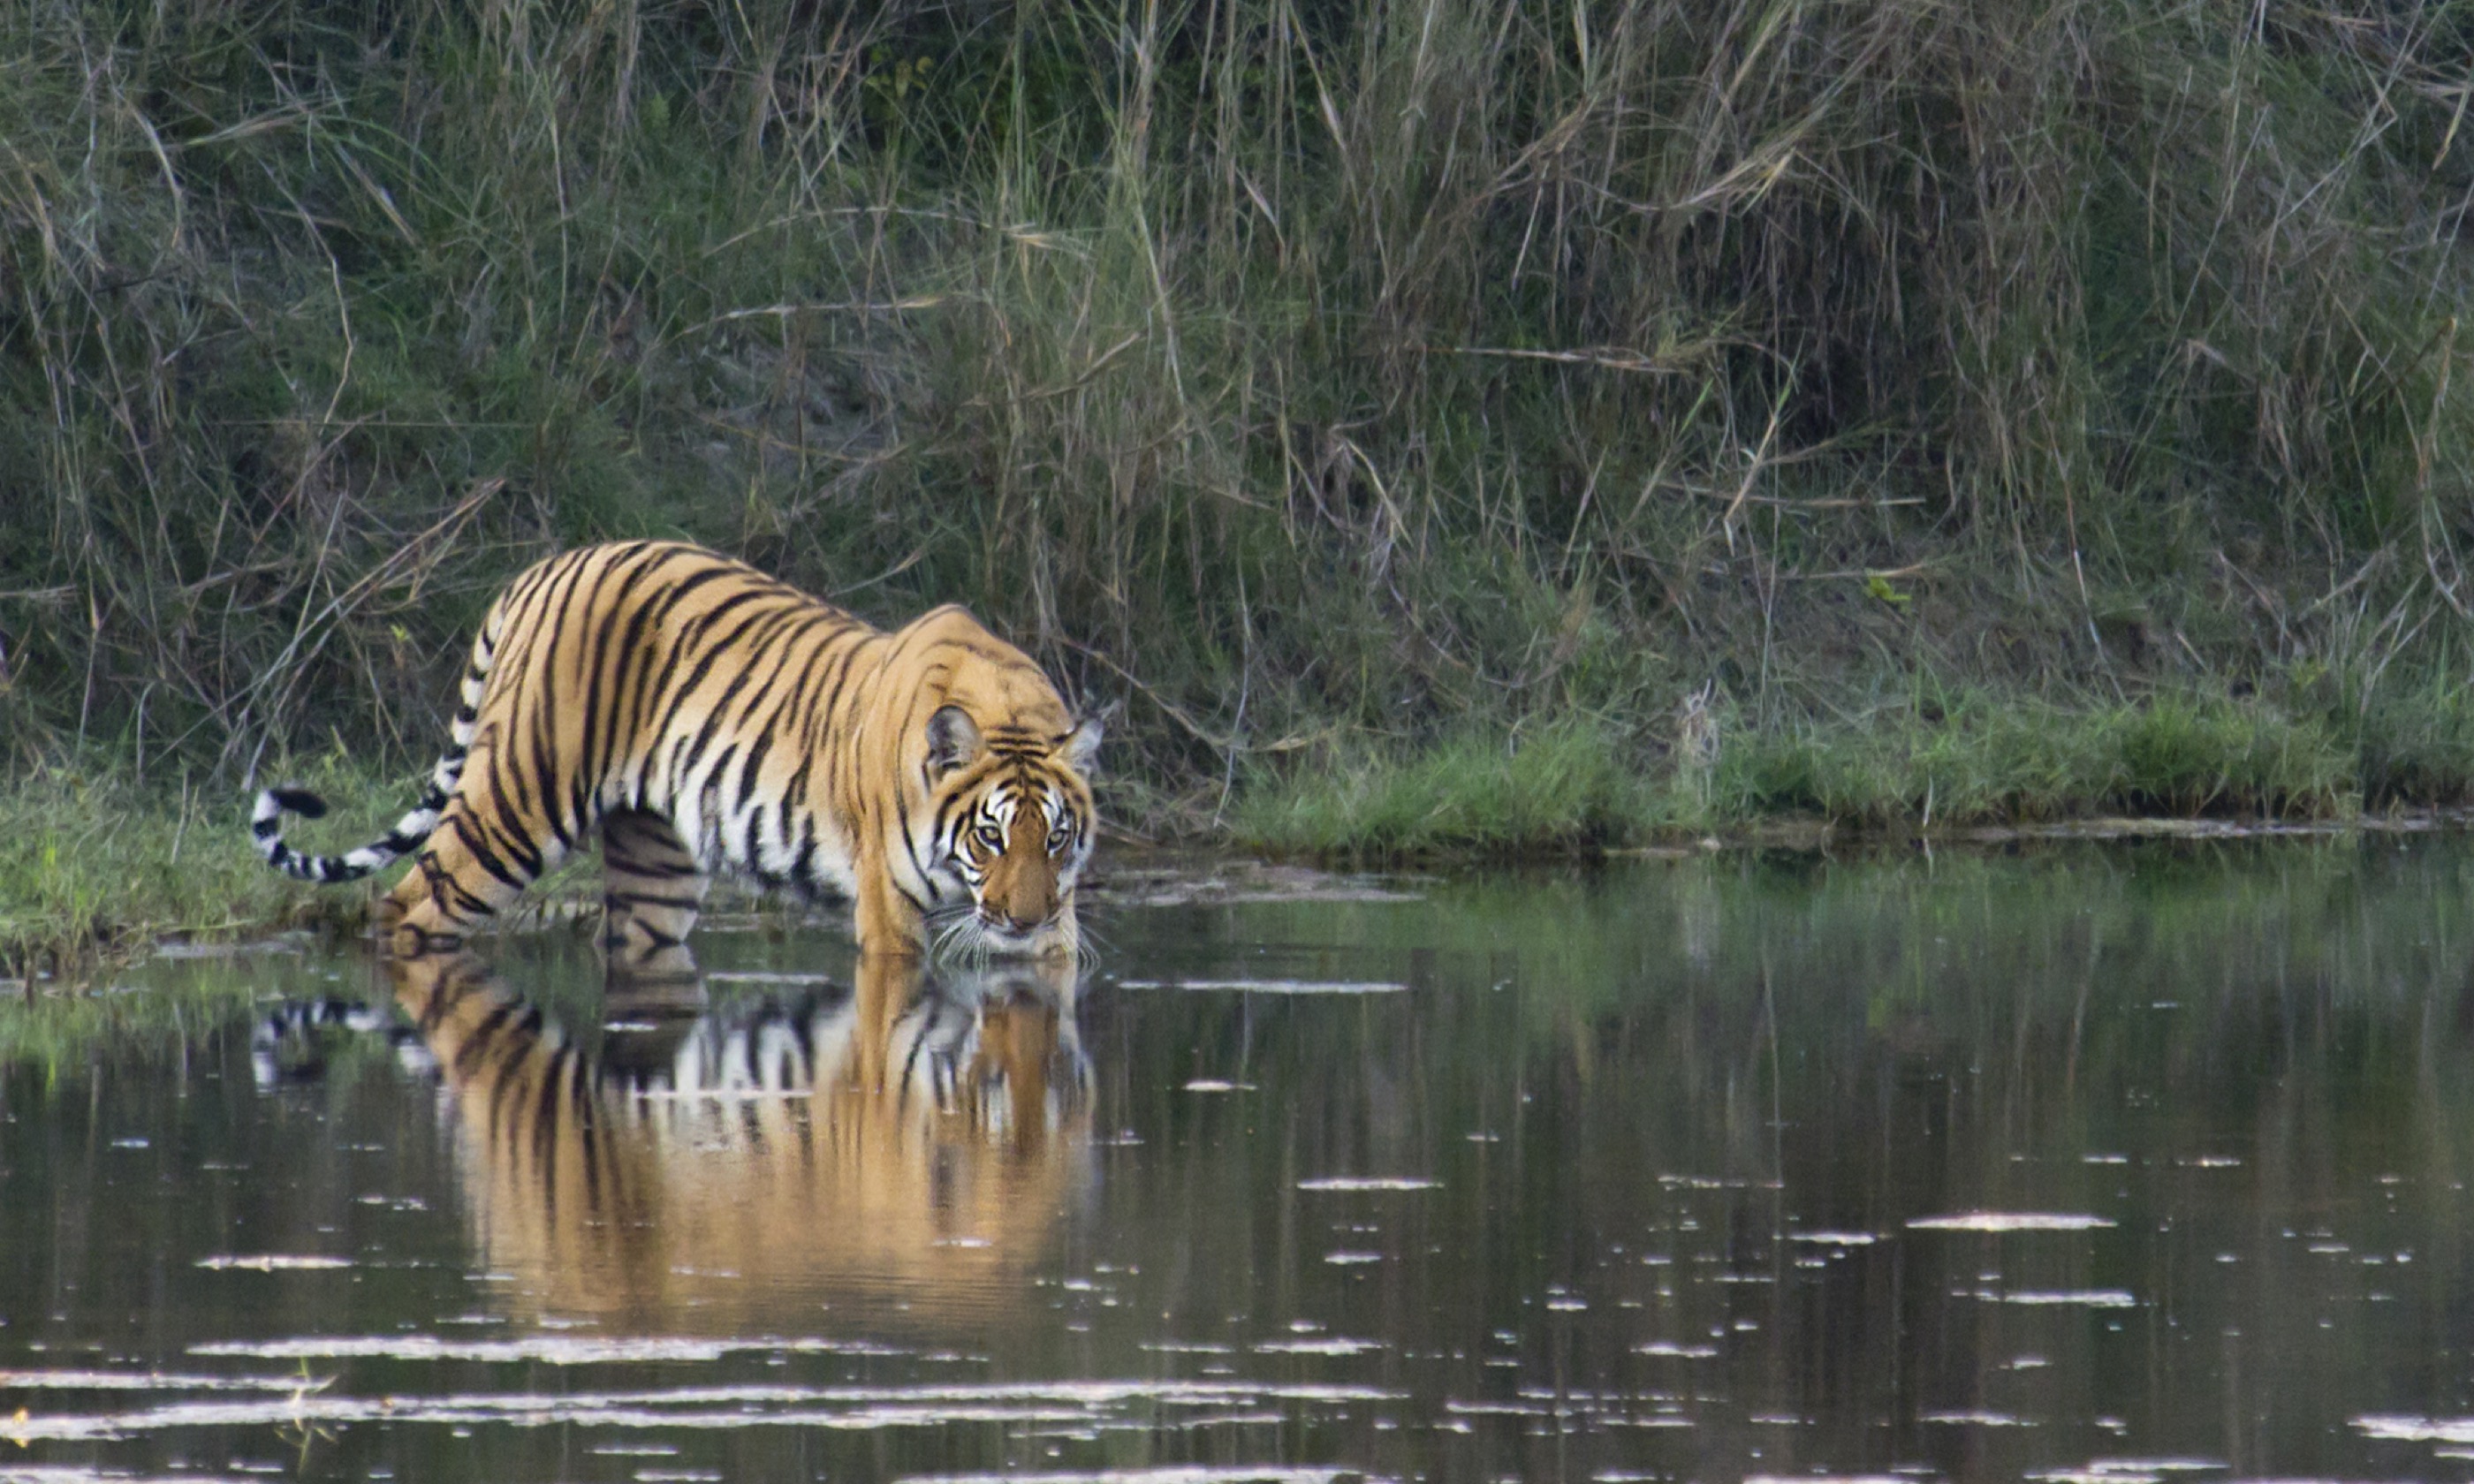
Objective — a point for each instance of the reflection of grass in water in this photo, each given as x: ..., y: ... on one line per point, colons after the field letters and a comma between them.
x: 181, y: 1005
x: 1896, y: 1034
x: 1941, y: 936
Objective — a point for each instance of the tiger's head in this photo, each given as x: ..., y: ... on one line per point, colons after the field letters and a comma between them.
x: 1014, y: 825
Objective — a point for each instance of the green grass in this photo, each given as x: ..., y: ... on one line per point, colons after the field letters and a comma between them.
x: 1920, y: 763
x: 94, y: 864
x: 1816, y: 357
x: 1563, y: 786
x: 1983, y: 759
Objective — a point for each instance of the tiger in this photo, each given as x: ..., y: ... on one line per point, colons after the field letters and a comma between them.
x: 902, y: 1146
x: 702, y: 716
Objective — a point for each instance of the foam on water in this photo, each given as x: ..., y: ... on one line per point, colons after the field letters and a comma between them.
x: 1270, y: 985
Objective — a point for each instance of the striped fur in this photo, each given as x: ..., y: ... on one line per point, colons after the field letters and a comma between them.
x: 901, y: 1147
x: 699, y: 716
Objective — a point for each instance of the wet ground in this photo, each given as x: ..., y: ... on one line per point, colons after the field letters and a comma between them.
x: 2103, y: 1163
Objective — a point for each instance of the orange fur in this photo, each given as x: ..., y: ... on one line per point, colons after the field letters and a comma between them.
x: 901, y: 1150
x: 702, y: 716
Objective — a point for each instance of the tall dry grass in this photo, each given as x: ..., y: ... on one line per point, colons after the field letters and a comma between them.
x: 1301, y: 371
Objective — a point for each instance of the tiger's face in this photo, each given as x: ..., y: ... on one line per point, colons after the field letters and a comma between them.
x: 1015, y: 827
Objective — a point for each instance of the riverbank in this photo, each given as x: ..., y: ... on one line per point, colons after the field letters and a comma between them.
x: 95, y: 864
x: 1913, y: 766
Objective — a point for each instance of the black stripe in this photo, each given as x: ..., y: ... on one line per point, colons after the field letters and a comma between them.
x: 647, y: 899
x: 753, y: 765
x: 846, y: 660
x: 803, y: 864
x: 760, y: 643
x: 909, y: 843
x: 589, y: 1133
x: 546, y: 1116
x: 559, y: 609
x: 671, y: 596
x: 478, y: 846
x: 475, y: 1049
x: 594, y: 649
x: 680, y: 693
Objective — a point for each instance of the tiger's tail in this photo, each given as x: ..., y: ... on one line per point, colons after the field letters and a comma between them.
x: 409, y: 831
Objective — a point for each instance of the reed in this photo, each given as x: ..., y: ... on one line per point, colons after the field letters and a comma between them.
x: 1328, y: 381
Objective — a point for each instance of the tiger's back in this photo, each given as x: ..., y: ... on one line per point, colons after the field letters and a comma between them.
x: 699, y: 715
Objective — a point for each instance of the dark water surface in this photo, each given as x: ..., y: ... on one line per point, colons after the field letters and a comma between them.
x: 2105, y: 1164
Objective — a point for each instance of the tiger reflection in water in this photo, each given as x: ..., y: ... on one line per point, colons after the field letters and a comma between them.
x: 907, y: 1146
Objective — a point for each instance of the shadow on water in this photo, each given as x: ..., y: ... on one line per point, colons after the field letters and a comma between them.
x: 2108, y: 1164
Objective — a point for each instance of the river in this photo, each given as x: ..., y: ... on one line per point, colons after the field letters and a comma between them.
x: 2108, y: 1163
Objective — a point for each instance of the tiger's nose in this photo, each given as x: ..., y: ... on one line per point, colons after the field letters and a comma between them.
x: 1007, y: 918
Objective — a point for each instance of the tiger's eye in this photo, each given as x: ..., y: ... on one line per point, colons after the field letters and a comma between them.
x: 1058, y: 839
x: 989, y: 836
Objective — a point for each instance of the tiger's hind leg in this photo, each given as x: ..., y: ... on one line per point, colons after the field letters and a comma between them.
x: 651, y: 887
x: 467, y: 872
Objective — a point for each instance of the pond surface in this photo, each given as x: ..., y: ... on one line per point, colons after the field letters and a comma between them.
x: 2096, y: 1164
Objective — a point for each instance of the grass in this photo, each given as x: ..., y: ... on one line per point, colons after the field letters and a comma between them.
x: 1555, y: 788
x: 1928, y: 761
x: 93, y: 865
x: 1982, y: 761
x: 2010, y: 409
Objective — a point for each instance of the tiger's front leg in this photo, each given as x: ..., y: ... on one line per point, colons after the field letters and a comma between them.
x: 883, y: 920
x: 652, y: 887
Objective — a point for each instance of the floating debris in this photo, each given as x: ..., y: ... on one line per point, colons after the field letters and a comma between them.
x: 2086, y: 1298
x: 2010, y: 1221
x: 1270, y: 985
x: 1321, y: 1345
x: 1168, y: 1473
x: 2397, y: 1428
x: 142, y: 1380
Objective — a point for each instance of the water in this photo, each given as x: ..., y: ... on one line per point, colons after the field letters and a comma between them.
x: 2105, y: 1164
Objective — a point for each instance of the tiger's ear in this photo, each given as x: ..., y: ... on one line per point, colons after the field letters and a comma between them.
x: 953, y: 740
x: 1083, y: 743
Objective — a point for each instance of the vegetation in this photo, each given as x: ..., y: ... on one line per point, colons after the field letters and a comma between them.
x: 100, y: 862
x: 1459, y: 423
